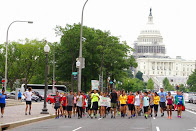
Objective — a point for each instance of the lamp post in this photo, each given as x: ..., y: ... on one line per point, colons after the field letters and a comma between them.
x: 46, y: 50
x: 80, y: 52
x: 30, y: 22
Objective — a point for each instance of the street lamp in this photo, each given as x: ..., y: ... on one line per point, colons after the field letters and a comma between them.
x: 46, y: 50
x: 80, y: 52
x: 30, y: 22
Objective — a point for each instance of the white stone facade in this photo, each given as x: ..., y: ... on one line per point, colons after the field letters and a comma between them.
x: 152, y: 61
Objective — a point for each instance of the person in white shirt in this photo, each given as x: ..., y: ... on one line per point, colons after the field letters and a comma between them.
x: 28, y: 94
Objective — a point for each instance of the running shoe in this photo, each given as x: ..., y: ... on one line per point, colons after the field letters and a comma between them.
x: 129, y: 117
x: 168, y: 117
x: 111, y: 116
x: 162, y: 115
x: 151, y: 115
x: 61, y: 116
x: 65, y: 116
x: 133, y: 115
x: 114, y: 117
x: 96, y: 116
x: 25, y: 113
x: 179, y: 116
x: 1, y: 116
x: 155, y: 115
x: 29, y: 113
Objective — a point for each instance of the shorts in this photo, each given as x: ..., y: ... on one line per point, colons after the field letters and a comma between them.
x: 64, y: 108
x: 19, y: 97
x: 95, y: 106
x: 89, y: 107
x: 69, y: 108
x: 28, y: 102
x: 162, y: 104
x: 113, y: 105
x: 151, y: 106
x: 146, y: 109
x: 122, y: 104
x: 2, y: 105
x: 56, y: 107
x: 156, y: 107
x: 75, y: 105
x: 179, y: 105
x: 131, y: 107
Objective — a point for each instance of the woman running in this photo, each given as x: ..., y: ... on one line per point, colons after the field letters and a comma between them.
x: 75, y: 102
x: 123, y: 101
x: 170, y: 100
x: 137, y: 103
x: 3, y: 96
x: 103, y: 105
x: 156, y: 103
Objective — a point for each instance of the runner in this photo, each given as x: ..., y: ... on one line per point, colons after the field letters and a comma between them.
x: 146, y: 105
x: 156, y: 103
x: 179, y: 100
x: 150, y: 95
x: 100, y: 101
x: 170, y: 100
x: 108, y: 104
x: 19, y: 95
x: 118, y: 102
x: 131, y: 101
x: 70, y: 103
x: 114, y: 100
x: 64, y: 103
x: 137, y: 104
x: 94, y: 99
x: 28, y: 94
x: 123, y: 100
x: 84, y: 103
x: 162, y: 96
x: 75, y: 102
x: 3, y: 96
x: 141, y: 104
x: 103, y: 104
x: 89, y: 104
x: 80, y: 104
x: 57, y: 104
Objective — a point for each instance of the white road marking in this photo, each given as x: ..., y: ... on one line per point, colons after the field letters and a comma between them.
x: 191, y: 111
x: 157, y: 128
x: 99, y: 118
x: 77, y: 129
x: 153, y: 117
x: 192, y: 129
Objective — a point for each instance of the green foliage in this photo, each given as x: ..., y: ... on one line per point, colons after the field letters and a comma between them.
x: 182, y: 88
x: 139, y: 75
x: 192, y: 82
x: 167, y: 85
x: 150, y: 84
x: 133, y: 84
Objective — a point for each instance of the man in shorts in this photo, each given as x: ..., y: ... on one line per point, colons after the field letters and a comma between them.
x: 146, y: 103
x: 64, y: 104
x: 89, y: 104
x: 94, y: 99
x: 57, y: 104
x: 151, y: 97
x: 28, y: 94
x: 70, y: 103
x: 162, y: 96
x: 114, y: 100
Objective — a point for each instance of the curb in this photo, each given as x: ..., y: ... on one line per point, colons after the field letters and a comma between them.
x: 24, y: 122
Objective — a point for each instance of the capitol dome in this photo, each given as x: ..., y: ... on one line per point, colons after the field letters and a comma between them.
x: 150, y: 42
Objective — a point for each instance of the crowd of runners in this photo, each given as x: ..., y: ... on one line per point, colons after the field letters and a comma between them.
x: 94, y: 103
x: 132, y: 104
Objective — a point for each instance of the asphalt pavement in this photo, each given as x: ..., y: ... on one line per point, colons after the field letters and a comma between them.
x: 186, y: 123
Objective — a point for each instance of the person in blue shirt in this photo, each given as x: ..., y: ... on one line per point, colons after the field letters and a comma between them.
x: 162, y: 96
x: 19, y: 95
x: 3, y: 96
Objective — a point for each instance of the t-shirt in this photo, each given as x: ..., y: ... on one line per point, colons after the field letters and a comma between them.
x: 89, y: 99
x: 57, y: 101
x: 28, y: 95
x: 2, y: 99
x: 114, y: 97
x: 146, y: 101
x: 94, y: 97
x: 64, y: 101
x: 156, y: 100
x: 123, y: 99
x: 180, y: 99
x: 79, y: 101
x: 70, y: 99
x: 130, y: 99
x: 19, y: 94
x: 162, y: 96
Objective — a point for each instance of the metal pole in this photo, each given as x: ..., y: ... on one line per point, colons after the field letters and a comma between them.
x: 53, y: 71
x: 45, y: 110
x: 80, y: 52
x: 6, y: 46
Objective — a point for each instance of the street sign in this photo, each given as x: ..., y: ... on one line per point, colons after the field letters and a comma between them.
x: 3, y: 80
x: 74, y: 73
x: 75, y: 77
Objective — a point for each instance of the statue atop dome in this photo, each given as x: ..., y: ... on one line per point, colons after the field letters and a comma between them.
x: 150, y: 12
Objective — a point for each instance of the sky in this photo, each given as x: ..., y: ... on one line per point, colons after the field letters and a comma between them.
x: 176, y: 20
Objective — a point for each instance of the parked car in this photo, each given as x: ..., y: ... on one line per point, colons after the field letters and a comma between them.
x: 194, y: 99
x: 39, y: 94
x: 12, y: 95
x: 35, y: 98
x: 190, y: 99
x: 50, y: 98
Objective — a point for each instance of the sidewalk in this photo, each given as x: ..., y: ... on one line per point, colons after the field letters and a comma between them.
x: 190, y: 106
x: 14, y: 114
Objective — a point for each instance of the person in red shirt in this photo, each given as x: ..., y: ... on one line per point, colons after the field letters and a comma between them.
x: 64, y: 104
x: 131, y: 101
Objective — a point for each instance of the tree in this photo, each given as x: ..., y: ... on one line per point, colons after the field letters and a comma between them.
x: 182, y: 88
x: 139, y: 75
x: 150, y: 84
x: 191, y: 82
x: 167, y: 85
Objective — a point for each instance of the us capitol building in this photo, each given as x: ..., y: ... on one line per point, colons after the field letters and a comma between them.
x: 150, y: 54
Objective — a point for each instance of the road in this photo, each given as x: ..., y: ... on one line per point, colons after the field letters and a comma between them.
x: 186, y: 123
